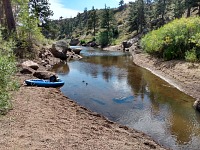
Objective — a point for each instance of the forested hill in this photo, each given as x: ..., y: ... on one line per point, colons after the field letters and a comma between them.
x: 113, y: 25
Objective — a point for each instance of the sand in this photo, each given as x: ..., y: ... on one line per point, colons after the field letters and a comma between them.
x: 44, y: 119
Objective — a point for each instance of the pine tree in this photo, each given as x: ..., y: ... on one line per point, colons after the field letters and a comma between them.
x: 85, y: 17
x: 79, y: 21
x: 107, y: 18
x: 94, y: 20
x: 107, y: 22
x: 121, y: 4
x: 178, y: 8
x: 141, y: 15
x: 137, y: 16
x: 160, y: 9
x: 41, y: 10
x: 148, y: 10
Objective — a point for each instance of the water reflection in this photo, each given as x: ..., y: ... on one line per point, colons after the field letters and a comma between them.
x: 134, y: 97
x: 61, y: 68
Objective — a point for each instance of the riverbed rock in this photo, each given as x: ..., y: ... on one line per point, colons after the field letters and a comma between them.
x: 43, y: 74
x: 45, y: 53
x: 62, y: 43
x: 30, y: 64
x: 77, y: 50
x: 73, y: 56
x: 126, y: 44
x: 92, y: 44
x: 26, y: 70
x: 74, y: 42
x: 59, y: 51
x: 196, y: 105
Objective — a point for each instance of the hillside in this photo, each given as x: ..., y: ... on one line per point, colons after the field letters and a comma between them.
x: 121, y: 23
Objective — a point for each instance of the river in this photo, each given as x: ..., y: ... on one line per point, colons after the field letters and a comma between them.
x: 110, y: 83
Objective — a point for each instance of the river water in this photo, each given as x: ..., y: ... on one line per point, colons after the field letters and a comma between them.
x: 109, y: 83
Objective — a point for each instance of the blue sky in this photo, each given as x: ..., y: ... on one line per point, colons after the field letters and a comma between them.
x: 70, y: 8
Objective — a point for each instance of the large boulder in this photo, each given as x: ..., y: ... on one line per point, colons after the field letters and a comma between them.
x: 74, y: 42
x: 43, y: 74
x: 59, y: 49
x: 30, y: 64
x: 92, y: 44
x: 26, y: 70
x: 62, y: 43
x: 126, y: 44
x: 77, y: 50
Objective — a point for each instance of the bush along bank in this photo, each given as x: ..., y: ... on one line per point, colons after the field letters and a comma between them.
x: 178, y: 39
x: 7, y: 70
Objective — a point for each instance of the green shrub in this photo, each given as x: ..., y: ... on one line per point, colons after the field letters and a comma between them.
x: 82, y: 42
x: 191, y: 56
x: 174, y: 39
x: 7, y: 70
x: 103, y: 38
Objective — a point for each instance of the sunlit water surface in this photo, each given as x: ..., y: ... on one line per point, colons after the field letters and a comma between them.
x: 110, y: 84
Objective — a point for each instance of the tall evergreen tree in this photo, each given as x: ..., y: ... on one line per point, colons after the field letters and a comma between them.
x: 41, y: 10
x: 107, y: 19
x: 137, y: 16
x: 121, y: 4
x: 188, y: 6
x: 93, y: 21
x: 160, y: 8
x: 85, y: 17
x: 141, y: 15
x: 79, y: 21
x: 148, y: 10
x: 178, y: 8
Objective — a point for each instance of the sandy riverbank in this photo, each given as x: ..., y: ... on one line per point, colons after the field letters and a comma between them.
x: 184, y: 76
x: 44, y: 119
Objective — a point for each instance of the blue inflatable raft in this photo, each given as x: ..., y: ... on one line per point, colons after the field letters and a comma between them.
x: 44, y: 83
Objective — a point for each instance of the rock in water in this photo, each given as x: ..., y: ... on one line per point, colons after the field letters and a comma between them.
x: 197, y: 105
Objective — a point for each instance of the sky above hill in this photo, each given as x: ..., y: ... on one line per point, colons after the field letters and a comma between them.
x: 70, y: 8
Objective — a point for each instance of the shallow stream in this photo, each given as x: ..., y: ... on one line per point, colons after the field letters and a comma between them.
x: 110, y: 83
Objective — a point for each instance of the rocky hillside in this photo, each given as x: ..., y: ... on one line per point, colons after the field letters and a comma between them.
x: 123, y: 22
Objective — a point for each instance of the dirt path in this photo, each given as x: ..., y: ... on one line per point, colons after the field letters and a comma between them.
x: 44, y: 119
x: 183, y: 75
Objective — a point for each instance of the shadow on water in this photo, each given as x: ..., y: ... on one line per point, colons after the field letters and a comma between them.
x: 110, y: 84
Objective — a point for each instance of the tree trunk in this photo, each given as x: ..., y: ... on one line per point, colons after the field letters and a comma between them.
x: 9, y: 15
x: 188, y: 11
x: 1, y: 14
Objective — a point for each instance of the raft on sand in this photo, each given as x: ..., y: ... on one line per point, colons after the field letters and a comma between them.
x: 44, y: 83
